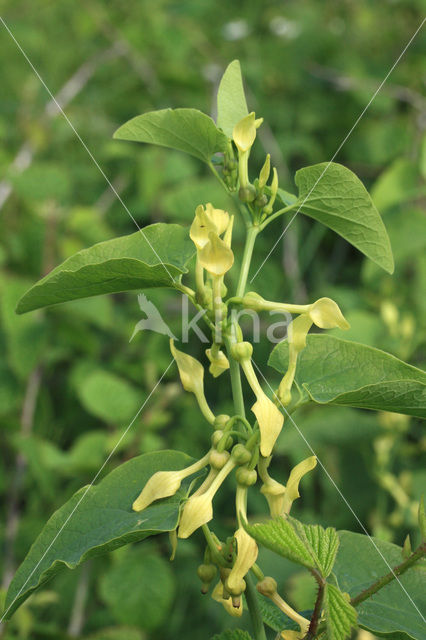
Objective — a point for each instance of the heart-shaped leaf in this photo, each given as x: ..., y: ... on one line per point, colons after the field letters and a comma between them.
x: 333, y: 195
x: 152, y: 257
x: 187, y: 130
x: 98, y: 519
x: 335, y: 371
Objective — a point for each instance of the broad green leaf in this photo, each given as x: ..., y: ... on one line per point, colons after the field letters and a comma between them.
x: 286, y: 197
x: 152, y: 257
x: 322, y: 544
x: 279, y: 536
x: 395, y: 608
x: 231, y: 99
x: 109, y: 397
x: 340, y: 615
x: 187, y: 130
x: 333, y: 195
x: 98, y: 519
x: 232, y: 634
x: 139, y: 588
x: 335, y: 371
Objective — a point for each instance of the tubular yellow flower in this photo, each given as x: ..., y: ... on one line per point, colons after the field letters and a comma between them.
x: 246, y: 557
x: 325, y: 313
x: 264, y: 172
x: 215, y: 257
x: 191, y: 373
x: 218, y: 362
x: 268, y: 588
x: 217, y: 595
x: 219, y: 218
x: 164, y: 484
x: 274, y: 493
x: 227, y: 238
x: 270, y: 421
x: 201, y: 227
x: 244, y: 133
x: 296, y: 474
x: 274, y: 191
x: 198, y: 510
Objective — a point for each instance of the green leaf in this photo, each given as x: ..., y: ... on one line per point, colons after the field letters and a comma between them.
x: 340, y: 615
x: 333, y: 195
x: 322, y: 544
x: 139, y: 588
x: 116, y: 633
x: 187, y: 130
x: 279, y: 536
x: 359, y: 563
x: 231, y: 99
x: 152, y: 257
x: 274, y: 617
x: 109, y: 397
x: 98, y: 519
x: 232, y: 634
x: 335, y: 371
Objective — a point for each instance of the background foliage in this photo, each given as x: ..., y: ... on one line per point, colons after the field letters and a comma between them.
x: 70, y: 381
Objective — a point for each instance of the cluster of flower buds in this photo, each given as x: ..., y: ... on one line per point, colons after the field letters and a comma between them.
x: 244, y: 135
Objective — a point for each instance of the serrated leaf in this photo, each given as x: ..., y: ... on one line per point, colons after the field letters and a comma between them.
x: 153, y: 257
x: 232, y: 634
x: 274, y: 617
x: 279, y: 536
x: 187, y: 130
x: 340, y: 615
x: 98, y: 519
x: 322, y: 543
x: 395, y: 608
x: 335, y: 371
x: 333, y: 195
x: 231, y: 99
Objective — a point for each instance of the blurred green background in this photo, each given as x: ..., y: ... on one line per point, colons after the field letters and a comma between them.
x: 70, y: 380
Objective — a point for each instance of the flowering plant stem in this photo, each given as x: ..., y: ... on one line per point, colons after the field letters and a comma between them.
x: 237, y: 394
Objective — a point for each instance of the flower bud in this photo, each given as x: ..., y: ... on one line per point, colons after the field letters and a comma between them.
x: 274, y: 191
x: 241, y: 351
x: 261, y: 201
x: 267, y: 587
x: 218, y: 459
x: 246, y: 477
x: 216, y: 437
x: 218, y: 362
x: 218, y: 595
x: 198, y: 510
x: 247, y: 193
x: 191, y: 371
x: 215, y: 257
x: 325, y: 313
x: 247, y: 551
x: 253, y: 300
x: 206, y: 573
x: 221, y: 420
x: 241, y: 454
x: 270, y: 421
x: 264, y: 172
x: 296, y: 474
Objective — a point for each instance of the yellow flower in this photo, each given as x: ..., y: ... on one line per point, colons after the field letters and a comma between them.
x: 274, y: 493
x: 207, y: 220
x: 215, y: 257
x: 270, y: 421
x: 164, y: 484
x: 325, y: 313
x: 246, y: 557
x: 217, y: 595
x: 296, y: 474
x: 219, y: 217
x: 218, y: 362
x: 244, y: 133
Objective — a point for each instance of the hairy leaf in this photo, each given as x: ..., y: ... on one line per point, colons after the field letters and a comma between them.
x: 335, y: 371
x: 340, y: 616
x: 274, y: 617
x: 187, y: 130
x: 396, y: 609
x: 98, y: 519
x: 322, y: 544
x: 231, y: 100
x: 152, y: 257
x: 333, y: 195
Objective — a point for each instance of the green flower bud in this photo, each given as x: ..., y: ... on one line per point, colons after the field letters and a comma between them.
x: 267, y: 587
x: 218, y: 459
x: 246, y: 477
x: 241, y: 454
x: 261, y: 201
x: 220, y: 421
x: 206, y: 573
x: 236, y: 590
x: 241, y: 351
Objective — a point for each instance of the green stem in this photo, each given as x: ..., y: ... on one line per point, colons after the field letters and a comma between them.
x: 384, y: 580
x: 276, y: 214
x: 245, y: 264
x: 254, y: 610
